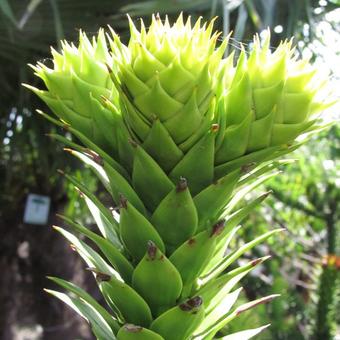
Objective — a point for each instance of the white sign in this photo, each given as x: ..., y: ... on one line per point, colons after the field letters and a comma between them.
x: 37, y: 209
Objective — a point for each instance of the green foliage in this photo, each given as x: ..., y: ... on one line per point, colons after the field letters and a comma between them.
x: 240, y: 119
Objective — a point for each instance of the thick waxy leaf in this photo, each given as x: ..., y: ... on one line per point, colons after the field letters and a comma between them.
x: 222, y: 244
x: 176, y: 216
x: 136, y: 231
x: 149, y: 180
x: 161, y: 147
x: 192, y: 256
x: 151, y: 279
x: 234, y: 143
x: 190, y: 313
x: 213, y: 198
x: 197, y: 166
x: 131, y: 307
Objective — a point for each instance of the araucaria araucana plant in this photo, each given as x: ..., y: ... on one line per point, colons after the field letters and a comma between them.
x: 178, y: 134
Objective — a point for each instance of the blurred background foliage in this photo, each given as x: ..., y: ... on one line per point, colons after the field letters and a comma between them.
x: 304, y: 198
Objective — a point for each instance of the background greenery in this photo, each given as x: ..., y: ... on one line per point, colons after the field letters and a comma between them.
x: 303, y: 200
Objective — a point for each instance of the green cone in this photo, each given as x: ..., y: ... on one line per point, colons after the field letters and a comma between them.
x: 184, y: 135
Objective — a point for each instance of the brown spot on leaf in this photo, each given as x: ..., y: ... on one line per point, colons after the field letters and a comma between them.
x: 191, y: 241
x: 217, y: 228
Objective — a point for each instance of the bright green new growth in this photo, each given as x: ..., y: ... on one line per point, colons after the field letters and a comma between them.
x: 178, y: 135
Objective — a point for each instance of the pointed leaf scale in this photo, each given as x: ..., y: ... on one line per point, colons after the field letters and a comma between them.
x: 157, y: 102
x: 106, y: 224
x: 145, y: 65
x: 296, y: 107
x: 197, y: 166
x: 136, y: 231
x: 186, y: 121
x: 235, y: 141
x: 201, y: 131
x: 264, y: 168
x: 157, y: 280
x: 57, y: 83
x: 125, y: 299
x: 285, y: 133
x: 81, y: 98
x: 260, y: 133
x: 166, y: 53
x: 161, y: 147
x: 134, y: 85
x: 135, y: 119
x: 47, y: 97
x: 133, y: 332
x: 106, y: 123
x: 149, y: 180
x: 247, y: 186
x: 176, y: 217
x: 220, y: 119
x: 239, y: 101
x: 61, y: 110
x: 93, y: 73
x: 266, y: 98
x: 175, y: 77
x: 115, y: 257
x: 213, y: 198
x: 180, y: 322
x: 120, y: 186
x: 192, y: 256
x: 216, y: 258
x: 125, y: 150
